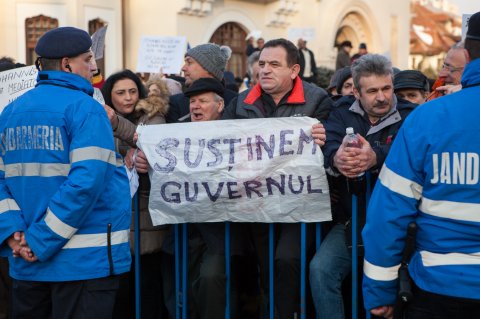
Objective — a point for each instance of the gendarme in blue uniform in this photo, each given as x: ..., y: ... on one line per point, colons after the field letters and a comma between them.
x: 431, y: 176
x: 62, y: 183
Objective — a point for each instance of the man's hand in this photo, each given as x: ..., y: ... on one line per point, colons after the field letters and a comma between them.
x: 318, y: 133
x: 383, y: 311
x: 449, y: 88
x: 141, y: 163
x: 352, y: 161
x: 20, y: 248
x: 112, y: 116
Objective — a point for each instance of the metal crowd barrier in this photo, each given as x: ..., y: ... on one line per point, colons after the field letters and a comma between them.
x: 181, y: 262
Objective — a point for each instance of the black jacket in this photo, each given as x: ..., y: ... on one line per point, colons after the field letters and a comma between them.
x: 379, y: 136
x: 304, y: 99
x: 302, y: 63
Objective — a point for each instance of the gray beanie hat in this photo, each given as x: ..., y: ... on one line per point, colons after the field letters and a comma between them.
x: 211, y: 57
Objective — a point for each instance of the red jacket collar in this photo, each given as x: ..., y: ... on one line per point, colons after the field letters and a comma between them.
x: 297, y: 95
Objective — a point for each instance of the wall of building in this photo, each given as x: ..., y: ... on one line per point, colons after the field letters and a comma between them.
x: 75, y: 13
x: 383, y: 25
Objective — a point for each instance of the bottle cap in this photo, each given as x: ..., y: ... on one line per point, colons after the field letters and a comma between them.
x: 349, y: 130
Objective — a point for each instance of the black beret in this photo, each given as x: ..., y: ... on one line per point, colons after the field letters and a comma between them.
x: 64, y: 42
x: 343, y: 75
x: 203, y: 85
x: 410, y: 79
x: 362, y: 46
x: 473, y: 31
x: 346, y: 44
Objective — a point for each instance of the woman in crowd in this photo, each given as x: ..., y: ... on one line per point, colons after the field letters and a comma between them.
x: 127, y: 105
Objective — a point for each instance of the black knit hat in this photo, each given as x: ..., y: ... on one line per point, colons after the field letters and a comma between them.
x: 64, y: 42
x: 473, y: 31
x: 343, y: 75
x: 203, y: 85
x: 410, y: 79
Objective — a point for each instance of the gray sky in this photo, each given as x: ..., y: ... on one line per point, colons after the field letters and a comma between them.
x: 467, y: 6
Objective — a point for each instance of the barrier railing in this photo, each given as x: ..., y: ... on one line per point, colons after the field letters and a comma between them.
x: 181, y: 264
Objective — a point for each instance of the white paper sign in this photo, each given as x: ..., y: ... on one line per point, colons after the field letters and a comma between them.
x: 98, y: 42
x: 465, y: 18
x: 255, y: 34
x: 15, y: 82
x: 161, y: 53
x: 307, y: 34
x: 259, y: 170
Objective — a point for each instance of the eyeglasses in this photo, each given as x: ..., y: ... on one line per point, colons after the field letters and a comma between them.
x: 450, y: 68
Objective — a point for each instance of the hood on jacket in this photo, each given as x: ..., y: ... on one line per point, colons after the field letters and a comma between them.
x: 65, y: 79
x: 152, y: 105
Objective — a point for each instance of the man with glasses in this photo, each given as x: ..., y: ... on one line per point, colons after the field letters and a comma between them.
x: 452, y: 70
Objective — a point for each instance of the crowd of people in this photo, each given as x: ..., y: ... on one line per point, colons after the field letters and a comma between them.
x: 66, y: 221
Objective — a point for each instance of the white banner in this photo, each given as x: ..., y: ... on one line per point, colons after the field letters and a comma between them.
x: 258, y: 170
x: 161, y: 54
x: 15, y: 82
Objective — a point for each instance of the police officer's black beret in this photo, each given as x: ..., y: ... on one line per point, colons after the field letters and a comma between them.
x: 63, y: 42
x: 473, y: 31
x: 410, y: 79
x: 203, y: 85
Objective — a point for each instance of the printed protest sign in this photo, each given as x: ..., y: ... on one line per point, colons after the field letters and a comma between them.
x: 259, y: 170
x: 163, y: 54
x: 15, y: 82
x: 307, y: 34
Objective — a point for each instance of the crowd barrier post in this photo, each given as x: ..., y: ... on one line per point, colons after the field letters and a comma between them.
x: 185, y: 271
x: 136, y: 220
x: 227, y: 270
x: 178, y: 294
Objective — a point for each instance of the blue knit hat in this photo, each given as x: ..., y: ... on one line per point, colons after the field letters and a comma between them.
x: 64, y: 42
x: 213, y: 58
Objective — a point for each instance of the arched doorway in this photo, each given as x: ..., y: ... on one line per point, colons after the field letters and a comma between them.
x: 354, y: 28
x: 233, y: 35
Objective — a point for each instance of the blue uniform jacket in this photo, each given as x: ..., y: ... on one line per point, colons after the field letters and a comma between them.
x: 62, y: 183
x: 431, y: 176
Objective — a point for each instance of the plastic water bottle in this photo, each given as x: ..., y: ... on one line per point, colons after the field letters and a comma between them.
x: 356, y: 185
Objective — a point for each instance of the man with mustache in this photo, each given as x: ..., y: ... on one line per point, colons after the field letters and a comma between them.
x: 375, y: 116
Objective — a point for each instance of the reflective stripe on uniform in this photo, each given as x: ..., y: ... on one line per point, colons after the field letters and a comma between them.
x: 400, y: 184
x: 59, y: 227
x: 36, y: 169
x: 97, y: 240
x: 92, y: 153
x: 380, y: 273
x: 119, y: 162
x: 432, y: 259
x: 7, y: 205
x: 453, y: 210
